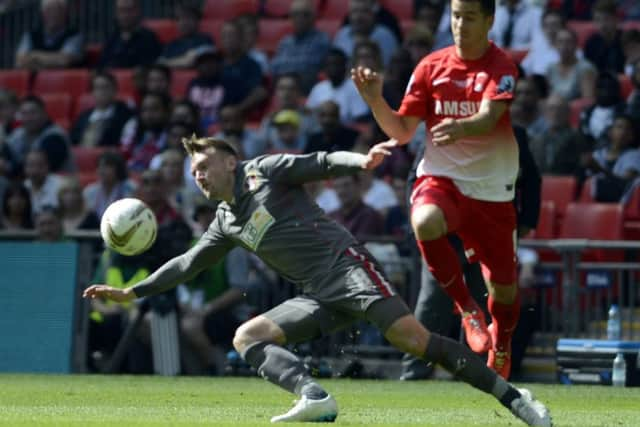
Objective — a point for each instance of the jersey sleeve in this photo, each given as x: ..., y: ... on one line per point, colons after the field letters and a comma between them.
x: 416, y: 95
x: 298, y: 169
x: 502, y: 81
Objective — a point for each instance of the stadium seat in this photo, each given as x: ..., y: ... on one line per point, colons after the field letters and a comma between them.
x: 74, y: 82
x: 280, y: 8
x: 58, y: 106
x: 228, y: 9
x: 180, y: 82
x: 92, y: 53
x: 271, y: 32
x: 407, y: 25
x: 334, y: 9
x: 17, y: 81
x: 86, y: 178
x: 561, y: 190
x: 583, y: 30
x: 213, y: 27
x: 586, y: 192
x: 86, y: 158
x: 401, y: 9
x: 632, y: 217
x: 124, y: 77
x: 626, y: 86
x: 546, y: 222
x: 83, y: 102
x: 329, y: 26
x: 165, y: 29
x: 575, y: 108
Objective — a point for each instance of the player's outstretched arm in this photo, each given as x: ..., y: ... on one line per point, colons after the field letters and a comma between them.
x: 109, y: 292
x: 369, y: 84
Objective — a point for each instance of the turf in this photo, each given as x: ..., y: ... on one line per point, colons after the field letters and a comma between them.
x: 88, y: 400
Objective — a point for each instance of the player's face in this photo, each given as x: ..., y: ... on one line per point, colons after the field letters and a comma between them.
x: 213, y: 173
x: 469, y: 24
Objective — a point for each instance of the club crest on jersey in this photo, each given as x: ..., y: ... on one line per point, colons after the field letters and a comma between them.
x: 456, y: 108
x: 481, y: 81
x: 256, y: 227
x: 507, y: 84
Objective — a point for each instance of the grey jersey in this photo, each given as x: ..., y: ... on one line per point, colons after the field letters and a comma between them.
x: 273, y: 216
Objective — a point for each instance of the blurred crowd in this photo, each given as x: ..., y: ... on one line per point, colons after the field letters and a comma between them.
x: 578, y: 97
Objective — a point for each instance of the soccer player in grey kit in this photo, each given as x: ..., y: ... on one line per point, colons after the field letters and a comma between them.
x: 265, y: 209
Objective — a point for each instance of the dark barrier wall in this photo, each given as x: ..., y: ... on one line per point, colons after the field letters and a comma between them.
x: 37, y: 285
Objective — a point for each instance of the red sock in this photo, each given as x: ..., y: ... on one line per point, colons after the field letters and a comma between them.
x: 505, y: 317
x: 444, y: 264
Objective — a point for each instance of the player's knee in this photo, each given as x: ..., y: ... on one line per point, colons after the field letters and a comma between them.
x: 256, y: 330
x: 408, y: 335
x: 504, y: 294
x: 428, y: 222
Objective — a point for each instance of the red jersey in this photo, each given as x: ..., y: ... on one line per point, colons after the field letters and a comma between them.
x: 443, y: 85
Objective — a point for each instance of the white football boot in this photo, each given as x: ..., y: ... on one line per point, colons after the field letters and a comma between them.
x: 530, y: 410
x: 309, y: 410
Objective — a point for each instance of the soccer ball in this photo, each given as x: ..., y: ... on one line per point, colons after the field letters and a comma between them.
x: 128, y: 226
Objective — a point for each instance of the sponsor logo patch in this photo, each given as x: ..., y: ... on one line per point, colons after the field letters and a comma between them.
x: 254, y: 230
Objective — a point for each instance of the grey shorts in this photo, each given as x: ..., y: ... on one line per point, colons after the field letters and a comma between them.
x: 356, y: 289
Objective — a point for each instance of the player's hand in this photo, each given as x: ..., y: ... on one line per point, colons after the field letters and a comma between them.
x: 378, y: 152
x: 108, y: 292
x: 446, y: 132
x: 368, y: 82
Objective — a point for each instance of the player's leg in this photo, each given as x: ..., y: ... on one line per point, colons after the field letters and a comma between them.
x: 409, y: 335
x: 260, y: 341
x: 494, y: 234
x: 435, y: 212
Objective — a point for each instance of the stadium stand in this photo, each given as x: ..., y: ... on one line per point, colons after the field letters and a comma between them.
x: 75, y: 82
x: 58, y: 106
x: 561, y: 190
x: 402, y: 9
x: 228, y: 9
x: 334, y: 9
x: 16, y: 80
x: 165, y: 29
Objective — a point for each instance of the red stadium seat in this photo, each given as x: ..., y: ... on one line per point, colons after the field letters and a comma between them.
x: 180, y: 82
x: 86, y: 158
x: 632, y: 216
x: 329, y: 26
x: 17, y: 81
x: 126, y: 84
x: 228, y: 9
x: 74, y: 82
x: 586, y: 192
x: 334, y: 9
x: 561, y: 190
x: 58, y: 106
x: 92, y: 53
x: 626, y: 86
x: 546, y: 222
x: 280, y: 8
x: 271, y: 32
x: 213, y: 27
x: 83, y: 103
x: 575, y: 108
x: 407, y: 25
x: 86, y: 178
x: 401, y: 9
x: 165, y: 29
x: 583, y: 30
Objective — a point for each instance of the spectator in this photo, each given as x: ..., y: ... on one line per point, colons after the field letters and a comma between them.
x: 241, y: 73
x: 396, y: 222
x: 596, y: 119
x: 377, y: 193
x: 209, y: 88
x: 572, y: 77
x: 43, y: 186
x: 131, y: 44
x: 324, y: 195
x: 233, y: 129
x: 434, y: 15
x: 17, y: 213
x: 72, y: 209
x: 419, y: 43
x: 188, y: 113
x: 340, y: 89
x: 362, y: 26
x: 37, y: 131
x: 617, y: 165
x: 287, y: 96
x: 6, y: 168
x: 559, y: 150
x: 103, y: 123
x: 333, y: 135
x: 515, y: 23
x: 49, y: 225
x: 304, y: 51
x: 250, y: 35
x: 152, y: 191
x: 366, y: 53
x: 604, y: 48
x: 181, y: 197
x: 158, y: 80
x: 113, y: 183
x: 176, y: 131
x: 354, y: 214
x: 8, y: 109
x: 398, y: 74
x: 543, y: 50
x: 383, y: 17
x: 290, y: 139
x: 145, y: 136
x: 525, y: 109
x: 53, y: 44
x: 183, y: 51
x: 575, y: 9
x: 633, y: 103
x: 631, y: 48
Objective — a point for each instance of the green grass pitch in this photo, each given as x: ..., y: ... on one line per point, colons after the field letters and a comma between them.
x: 123, y: 401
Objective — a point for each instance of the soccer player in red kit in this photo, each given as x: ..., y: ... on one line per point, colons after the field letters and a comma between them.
x: 467, y: 177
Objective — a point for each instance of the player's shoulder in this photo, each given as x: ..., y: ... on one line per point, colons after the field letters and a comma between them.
x: 498, y: 57
x: 437, y: 57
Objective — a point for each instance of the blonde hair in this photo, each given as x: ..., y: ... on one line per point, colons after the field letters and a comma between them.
x: 193, y: 145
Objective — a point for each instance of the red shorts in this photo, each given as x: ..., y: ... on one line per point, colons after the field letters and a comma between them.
x: 487, y: 229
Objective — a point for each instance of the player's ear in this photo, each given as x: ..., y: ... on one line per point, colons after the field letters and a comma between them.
x: 231, y: 162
